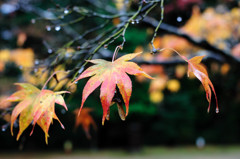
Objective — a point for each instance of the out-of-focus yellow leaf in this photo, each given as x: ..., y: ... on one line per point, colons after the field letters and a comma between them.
x: 180, y: 71
x: 156, y: 96
x: 60, y: 75
x: 173, y: 85
x: 119, y: 4
x: 38, y: 78
x: 4, y: 55
x: 195, y: 24
x: 213, y: 26
x: 157, y: 42
x: 138, y: 49
x: 225, y: 69
x: 23, y: 57
x: 159, y: 83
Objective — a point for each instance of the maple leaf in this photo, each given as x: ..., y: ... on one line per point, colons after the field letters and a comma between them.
x: 200, y: 72
x: 86, y: 120
x: 110, y: 74
x: 35, y: 106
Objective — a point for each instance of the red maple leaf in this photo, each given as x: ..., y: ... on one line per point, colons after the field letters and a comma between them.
x: 110, y: 74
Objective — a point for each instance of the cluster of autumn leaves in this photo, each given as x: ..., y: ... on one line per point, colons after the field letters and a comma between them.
x: 38, y: 106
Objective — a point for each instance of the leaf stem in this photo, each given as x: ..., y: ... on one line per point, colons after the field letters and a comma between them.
x: 175, y: 51
x: 116, y: 52
x: 54, y: 73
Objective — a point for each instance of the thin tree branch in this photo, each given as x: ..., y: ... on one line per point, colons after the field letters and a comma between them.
x: 196, y: 41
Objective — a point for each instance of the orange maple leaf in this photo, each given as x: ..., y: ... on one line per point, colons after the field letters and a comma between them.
x: 36, y: 106
x: 200, y: 72
x: 86, y: 120
x: 110, y: 74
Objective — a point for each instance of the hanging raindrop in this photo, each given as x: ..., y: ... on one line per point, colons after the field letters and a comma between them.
x: 50, y: 51
x: 48, y: 28
x: 57, y: 28
x: 105, y: 46
x: 179, y: 19
x: 4, y: 128
x: 36, y: 62
x: 133, y: 22
x: 66, y: 11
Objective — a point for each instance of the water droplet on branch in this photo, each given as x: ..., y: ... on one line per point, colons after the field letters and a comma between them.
x: 48, y: 28
x: 179, y: 19
x: 67, y: 55
x: 4, y: 127
x: 105, y: 46
x: 80, y: 70
x: 57, y: 28
x: 36, y: 62
x: 50, y: 51
x: 66, y: 11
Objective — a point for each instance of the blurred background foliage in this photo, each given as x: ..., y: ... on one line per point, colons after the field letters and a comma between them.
x: 170, y: 110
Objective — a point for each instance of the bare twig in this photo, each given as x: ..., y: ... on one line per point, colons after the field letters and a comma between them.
x: 196, y: 41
